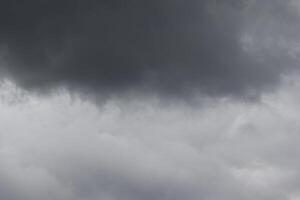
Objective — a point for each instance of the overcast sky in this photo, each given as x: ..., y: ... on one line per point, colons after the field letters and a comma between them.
x: 149, y: 99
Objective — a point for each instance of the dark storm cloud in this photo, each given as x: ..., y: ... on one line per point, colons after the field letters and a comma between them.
x: 168, y: 47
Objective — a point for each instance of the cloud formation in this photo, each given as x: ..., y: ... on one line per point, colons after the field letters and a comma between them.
x: 66, y: 149
x: 141, y: 56
x: 170, y: 47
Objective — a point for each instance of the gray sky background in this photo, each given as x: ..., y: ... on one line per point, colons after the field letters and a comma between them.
x: 149, y: 100
x: 64, y: 148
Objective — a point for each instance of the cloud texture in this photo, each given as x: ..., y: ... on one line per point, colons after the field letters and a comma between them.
x: 170, y: 47
x: 59, y: 148
x: 141, y: 143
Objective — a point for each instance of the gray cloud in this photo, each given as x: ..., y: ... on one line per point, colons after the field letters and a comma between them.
x: 171, y: 48
x: 61, y: 147
x: 58, y: 148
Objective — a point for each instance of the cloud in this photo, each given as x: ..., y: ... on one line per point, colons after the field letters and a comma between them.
x: 170, y: 48
x: 64, y: 148
x: 136, y: 145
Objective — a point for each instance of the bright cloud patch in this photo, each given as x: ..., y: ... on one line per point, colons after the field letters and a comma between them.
x: 64, y: 148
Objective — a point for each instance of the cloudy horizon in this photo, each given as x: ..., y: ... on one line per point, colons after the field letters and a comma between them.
x: 149, y: 100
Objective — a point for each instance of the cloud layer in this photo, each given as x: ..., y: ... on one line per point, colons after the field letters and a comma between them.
x: 61, y: 148
x: 141, y: 143
x: 171, y: 48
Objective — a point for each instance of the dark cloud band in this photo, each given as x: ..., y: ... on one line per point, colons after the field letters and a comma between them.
x: 171, y: 48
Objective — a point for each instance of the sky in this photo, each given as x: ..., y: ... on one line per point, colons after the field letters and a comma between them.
x: 149, y: 100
